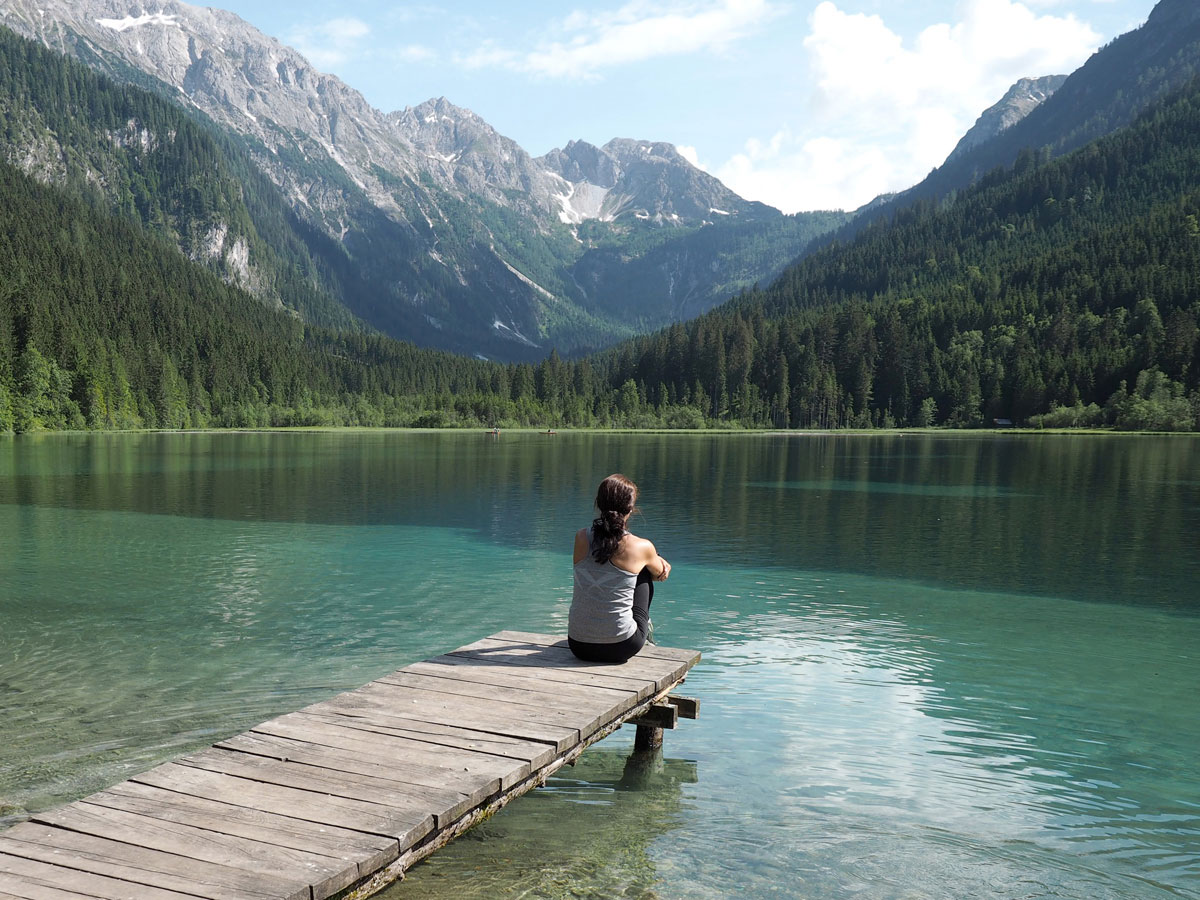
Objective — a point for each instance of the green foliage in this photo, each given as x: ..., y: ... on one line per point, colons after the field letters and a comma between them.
x: 1043, y: 287
x: 1155, y: 404
x: 142, y: 157
x: 1038, y: 296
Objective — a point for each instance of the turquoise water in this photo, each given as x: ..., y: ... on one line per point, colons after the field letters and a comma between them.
x: 933, y: 666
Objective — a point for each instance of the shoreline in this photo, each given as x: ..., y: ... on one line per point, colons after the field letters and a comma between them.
x: 757, y: 432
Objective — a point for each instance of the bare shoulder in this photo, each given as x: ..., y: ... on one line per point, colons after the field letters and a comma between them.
x: 581, y: 544
x: 637, y: 550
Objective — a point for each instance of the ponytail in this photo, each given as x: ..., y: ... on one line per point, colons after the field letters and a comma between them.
x: 614, y: 501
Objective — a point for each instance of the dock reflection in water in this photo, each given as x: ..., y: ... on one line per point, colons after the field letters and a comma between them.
x: 588, y: 833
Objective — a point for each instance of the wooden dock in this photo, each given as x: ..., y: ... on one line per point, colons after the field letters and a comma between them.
x: 340, y: 798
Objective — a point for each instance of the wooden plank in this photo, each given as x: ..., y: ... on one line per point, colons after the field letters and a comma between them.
x: 661, y: 715
x: 573, y: 677
x: 650, y: 651
x: 325, y: 874
x: 389, y: 794
x: 456, y: 766
x: 550, y: 659
x: 35, y: 892
x: 537, y: 755
x: 558, y: 737
x: 508, y: 695
x: 145, y: 866
x: 14, y: 888
x: 558, y: 655
x: 469, y: 707
x: 407, y: 827
x: 615, y: 692
x: 309, y: 804
x: 37, y: 880
x: 372, y: 851
x: 489, y: 685
x: 412, y: 778
x: 689, y: 707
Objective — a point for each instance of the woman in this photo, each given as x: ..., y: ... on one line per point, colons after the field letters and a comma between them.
x: 614, y: 575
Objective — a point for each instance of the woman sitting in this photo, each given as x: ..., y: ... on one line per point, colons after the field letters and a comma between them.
x: 614, y: 575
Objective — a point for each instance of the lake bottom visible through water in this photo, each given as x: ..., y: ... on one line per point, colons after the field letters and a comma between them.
x: 872, y: 724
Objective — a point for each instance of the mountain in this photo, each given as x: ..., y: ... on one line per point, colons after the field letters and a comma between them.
x: 1054, y: 292
x: 648, y: 180
x: 460, y: 238
x: 1106, y: 93
x: 1018, y: 102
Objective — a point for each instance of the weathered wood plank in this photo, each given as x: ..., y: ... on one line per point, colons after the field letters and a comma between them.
x: 524, y: 679
x: 661, y: 715
x: 406, y: 827
x: 142, y: 865
x: 572, y: 677
x: 422, y: 783
x: 347, y: 793
x: 405, y: 697
x: 553, y: 659
x: 568, y: 699
x: 650, y: 651
x: 370, y: 850
x: 326, y: 875
x: 511, y: 701
x: 557, y: 654
x: 353, y: 786
x: 537, y: 755
x: 558, y: 737
x: 456, y: 766
x: 46, y: 881
x: 689, y: 707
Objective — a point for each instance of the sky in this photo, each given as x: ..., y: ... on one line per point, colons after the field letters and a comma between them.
x: 807, y: 104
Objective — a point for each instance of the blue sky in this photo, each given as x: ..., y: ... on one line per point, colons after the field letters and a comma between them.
x: 808, y: 104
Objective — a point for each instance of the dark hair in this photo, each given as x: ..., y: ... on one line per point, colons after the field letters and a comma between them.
x: 614, y: 500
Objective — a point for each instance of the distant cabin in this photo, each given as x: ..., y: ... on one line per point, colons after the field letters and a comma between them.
x: 1002, y: 423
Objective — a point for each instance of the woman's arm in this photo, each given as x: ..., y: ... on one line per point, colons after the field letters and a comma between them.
x: 581, y: 545
x: 659, y: 567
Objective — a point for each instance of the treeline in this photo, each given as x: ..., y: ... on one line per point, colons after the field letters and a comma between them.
x: 1053, y: 293
x: 141, y: 157
x: 1068, y: 290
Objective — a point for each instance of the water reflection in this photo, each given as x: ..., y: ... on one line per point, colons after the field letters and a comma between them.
x: 1002, y: 721
x: 901, y: 699
x: 1105, y: 518
x: 589, y: 832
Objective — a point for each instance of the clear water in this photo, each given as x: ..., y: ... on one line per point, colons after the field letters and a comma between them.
x: 933, y: 666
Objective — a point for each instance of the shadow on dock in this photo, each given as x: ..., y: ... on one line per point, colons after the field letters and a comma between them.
x: 587, y: 833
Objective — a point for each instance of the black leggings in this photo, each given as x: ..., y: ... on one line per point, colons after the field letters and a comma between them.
x: 643, y: 594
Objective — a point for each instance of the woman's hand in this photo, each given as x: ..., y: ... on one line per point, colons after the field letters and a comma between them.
x: 666, y: 570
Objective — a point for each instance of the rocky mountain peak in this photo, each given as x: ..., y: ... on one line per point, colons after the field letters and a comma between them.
x: 1018, y: 102
x: 580, y: 162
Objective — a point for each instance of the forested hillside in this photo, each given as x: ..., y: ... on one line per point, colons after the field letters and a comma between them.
x: 1055, y: 292
x: 1069, y: 288
x: 142, y: 157
x: 1106, y: 93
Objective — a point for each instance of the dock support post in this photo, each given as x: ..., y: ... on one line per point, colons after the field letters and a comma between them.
x: 647, y: 738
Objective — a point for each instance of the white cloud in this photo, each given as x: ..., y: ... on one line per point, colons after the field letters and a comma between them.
x: 691, y: 155
x: 882, y: 114
x: 639, y: 31
x: 329, y: 44
x: 415, y: 53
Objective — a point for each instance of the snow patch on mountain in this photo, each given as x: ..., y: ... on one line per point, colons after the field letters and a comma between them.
x: 582, y: 201
x: 158, y: 18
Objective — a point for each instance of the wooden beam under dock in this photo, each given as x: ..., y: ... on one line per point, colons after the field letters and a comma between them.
x: 340, y: 798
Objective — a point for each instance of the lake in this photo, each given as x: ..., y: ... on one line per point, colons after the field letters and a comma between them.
x: 934, y: 665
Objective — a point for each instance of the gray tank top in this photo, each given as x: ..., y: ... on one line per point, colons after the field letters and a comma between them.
x: 602, y: 601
